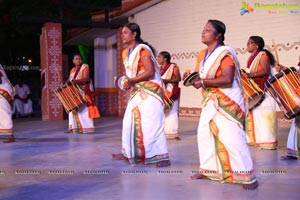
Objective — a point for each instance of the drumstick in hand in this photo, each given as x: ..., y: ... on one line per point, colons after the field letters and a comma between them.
x: 276, y: 53
x: 186, y: 73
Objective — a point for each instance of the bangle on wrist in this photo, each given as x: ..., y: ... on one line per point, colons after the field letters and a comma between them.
x: 131, y: 81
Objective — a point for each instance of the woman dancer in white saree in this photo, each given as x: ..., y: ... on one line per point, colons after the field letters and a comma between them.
x: 143, y: 136
x: 170, y: 74
x: 293, y: 142
x: 261, y: 122
x: 223, y: 152
x: 7, y: 94
x: 81, y: 120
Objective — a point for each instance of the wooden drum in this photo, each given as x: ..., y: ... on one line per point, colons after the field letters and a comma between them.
x: 70, y: 96
x: 254, y: 94
x: 285, y: 89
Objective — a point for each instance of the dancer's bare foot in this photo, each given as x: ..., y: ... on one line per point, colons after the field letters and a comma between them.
x: 197, y: 176
x: 251, y: 186
x: 177, y: 138
x: 163, y: 163
x: 68, y: 131
x: 118, y: 156
x: 9, y: 139
x: 270, y: 148
x: 288, y: 158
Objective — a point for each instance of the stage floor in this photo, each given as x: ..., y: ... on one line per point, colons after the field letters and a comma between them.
x: 45, y: 163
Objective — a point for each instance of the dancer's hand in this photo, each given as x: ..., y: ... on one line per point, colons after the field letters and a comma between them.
x: 127, y: 83
x: 280, y: 67
x: 186, y: 73
x: 196, y: 83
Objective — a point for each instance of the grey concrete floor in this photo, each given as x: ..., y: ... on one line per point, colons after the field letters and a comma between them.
x: 45, y: 163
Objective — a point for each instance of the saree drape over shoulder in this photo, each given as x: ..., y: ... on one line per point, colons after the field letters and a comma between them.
x: 261, y: 123
x: 172, y: 91
x: 7, y: 94
x: 223, y: 151
x: 81, y: 120
x: 143, y: 136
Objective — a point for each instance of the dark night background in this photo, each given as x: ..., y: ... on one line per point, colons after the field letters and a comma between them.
x: 20, y: 29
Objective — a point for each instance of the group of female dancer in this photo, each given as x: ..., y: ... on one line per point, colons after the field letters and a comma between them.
x: 224, y: 113
x: 226, y: 126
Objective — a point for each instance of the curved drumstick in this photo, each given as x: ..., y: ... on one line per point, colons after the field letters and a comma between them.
x: 276, y: 53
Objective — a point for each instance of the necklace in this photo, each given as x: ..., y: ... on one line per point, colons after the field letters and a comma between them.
x: 130, y: 50
x: 207, y: 56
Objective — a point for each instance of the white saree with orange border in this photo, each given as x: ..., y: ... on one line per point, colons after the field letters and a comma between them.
x: 171, y: 114
x: 143, y: 136
x: 223, y: 151
x: 261, y: 122
x: 81, y: 119
x: 293, y: 142
x: 6, y: 102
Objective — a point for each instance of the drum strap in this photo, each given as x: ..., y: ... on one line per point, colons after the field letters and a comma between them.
x: 165, y: 69
x: 76, y: 73
x: 249, y: 62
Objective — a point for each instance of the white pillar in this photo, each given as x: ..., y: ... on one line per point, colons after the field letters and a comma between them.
x: 105, y: 55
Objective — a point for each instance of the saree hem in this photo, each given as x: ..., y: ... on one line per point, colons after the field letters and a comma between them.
x: 154, y: 159
x: 82, y: 131
x: 267, y: 145
x: 291, y: 152
x: 234, y: 176
x: 172, y: 135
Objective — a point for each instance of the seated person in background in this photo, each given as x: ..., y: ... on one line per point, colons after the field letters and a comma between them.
x: 22, y: 102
